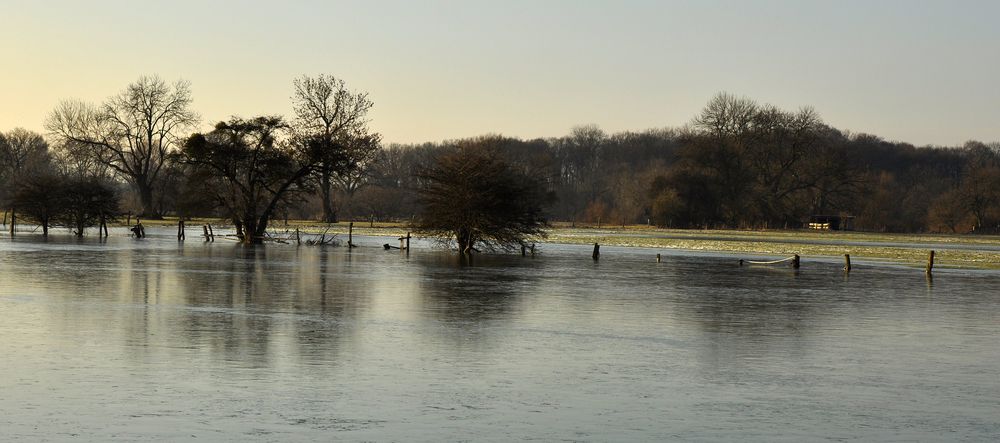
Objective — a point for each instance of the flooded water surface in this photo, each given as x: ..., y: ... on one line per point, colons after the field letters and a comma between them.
x: 158, y: 340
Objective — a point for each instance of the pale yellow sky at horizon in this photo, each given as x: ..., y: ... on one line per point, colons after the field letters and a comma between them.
x: 919, y: 72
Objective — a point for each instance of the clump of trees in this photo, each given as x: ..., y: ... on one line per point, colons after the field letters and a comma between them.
x: 738, y: 164
x: 474, y: 196
x: 45, y: 191
x: 131, y: 133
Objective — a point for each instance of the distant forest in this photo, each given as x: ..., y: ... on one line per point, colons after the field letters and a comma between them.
x: 738, y: 164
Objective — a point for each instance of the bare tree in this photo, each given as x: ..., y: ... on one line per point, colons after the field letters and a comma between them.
x: 132, y: 133
x: 20, y: 150
x: 329, y: 113
x: 363, y: 151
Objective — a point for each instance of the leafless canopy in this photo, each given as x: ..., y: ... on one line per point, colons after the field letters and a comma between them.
x: 132, y: 132
x: 335, y: 119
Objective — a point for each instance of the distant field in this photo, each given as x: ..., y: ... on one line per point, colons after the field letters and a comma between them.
x: 964, y: 251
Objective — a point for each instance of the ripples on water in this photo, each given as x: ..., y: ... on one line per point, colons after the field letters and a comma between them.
x: 159, y: 340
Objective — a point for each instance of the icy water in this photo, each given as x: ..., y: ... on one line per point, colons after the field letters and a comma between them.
x: 152, y: 340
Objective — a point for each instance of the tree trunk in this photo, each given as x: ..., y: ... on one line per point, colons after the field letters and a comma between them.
x: 254, y: 230
x: 326, y: 194
x: 146, y: 199
x: 259, y: 231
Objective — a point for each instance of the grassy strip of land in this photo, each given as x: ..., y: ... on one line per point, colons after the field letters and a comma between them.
x: 958, y: 251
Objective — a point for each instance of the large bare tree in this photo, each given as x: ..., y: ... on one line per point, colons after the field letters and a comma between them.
x: 132, y: 132
x: 330, y: 115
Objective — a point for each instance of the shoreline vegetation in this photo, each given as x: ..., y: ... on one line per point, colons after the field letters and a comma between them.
x: 952, y: 250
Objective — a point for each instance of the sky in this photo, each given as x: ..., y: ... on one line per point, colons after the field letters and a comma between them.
x: 923, y: 72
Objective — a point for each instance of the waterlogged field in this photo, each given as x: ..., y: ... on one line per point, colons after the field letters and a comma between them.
x: 955, y: 251
x: 156, y: 340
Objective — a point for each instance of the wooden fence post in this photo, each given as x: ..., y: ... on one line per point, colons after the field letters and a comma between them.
x: 847, y: 262
x: 597, y: 252
x: 930, y: 263
x: 795, y: 261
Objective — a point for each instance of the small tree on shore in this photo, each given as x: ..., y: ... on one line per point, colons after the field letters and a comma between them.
x: 476, y: 197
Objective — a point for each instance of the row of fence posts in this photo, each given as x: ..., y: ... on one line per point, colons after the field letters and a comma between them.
x: 796, y: 260
x: 404, y: 244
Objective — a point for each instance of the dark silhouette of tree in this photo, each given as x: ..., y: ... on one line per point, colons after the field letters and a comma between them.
x: 23, y: 155
x: 86, y: 202
x: 474, y: 196
x: 21, y: 151
x: 248, y: 169
x: 40, y: 197
x: 131, y: 133
x: 979, y: 191
x: 333, y: 118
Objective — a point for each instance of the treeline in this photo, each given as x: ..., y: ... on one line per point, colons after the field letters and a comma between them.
x: 738, y: 164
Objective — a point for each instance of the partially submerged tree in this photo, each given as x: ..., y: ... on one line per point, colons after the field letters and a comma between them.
x: 40, y: 198
x: 23, y: 155
x: 249, y: 170
x: 85, y: 202
x: 474, y: 196
x: 132, y: 133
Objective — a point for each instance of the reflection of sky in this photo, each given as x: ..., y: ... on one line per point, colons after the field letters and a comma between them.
x: 916, y: 71
x: 377, y: 344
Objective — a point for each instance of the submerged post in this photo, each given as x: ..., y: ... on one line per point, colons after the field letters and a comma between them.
x: 205, y: 228
x: 13, y: 221
x: 658, y: 258
x: 524, y: 250
x: 298, y: 239
x: 930, y: 263
x: 180, y: 230
x: 350, y: 235
x: 532, y: 249
x: 847, y: 262
x: 597, y: 251
x: 211, y: 232
x: 795, y: 261
x: 407, y: 242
